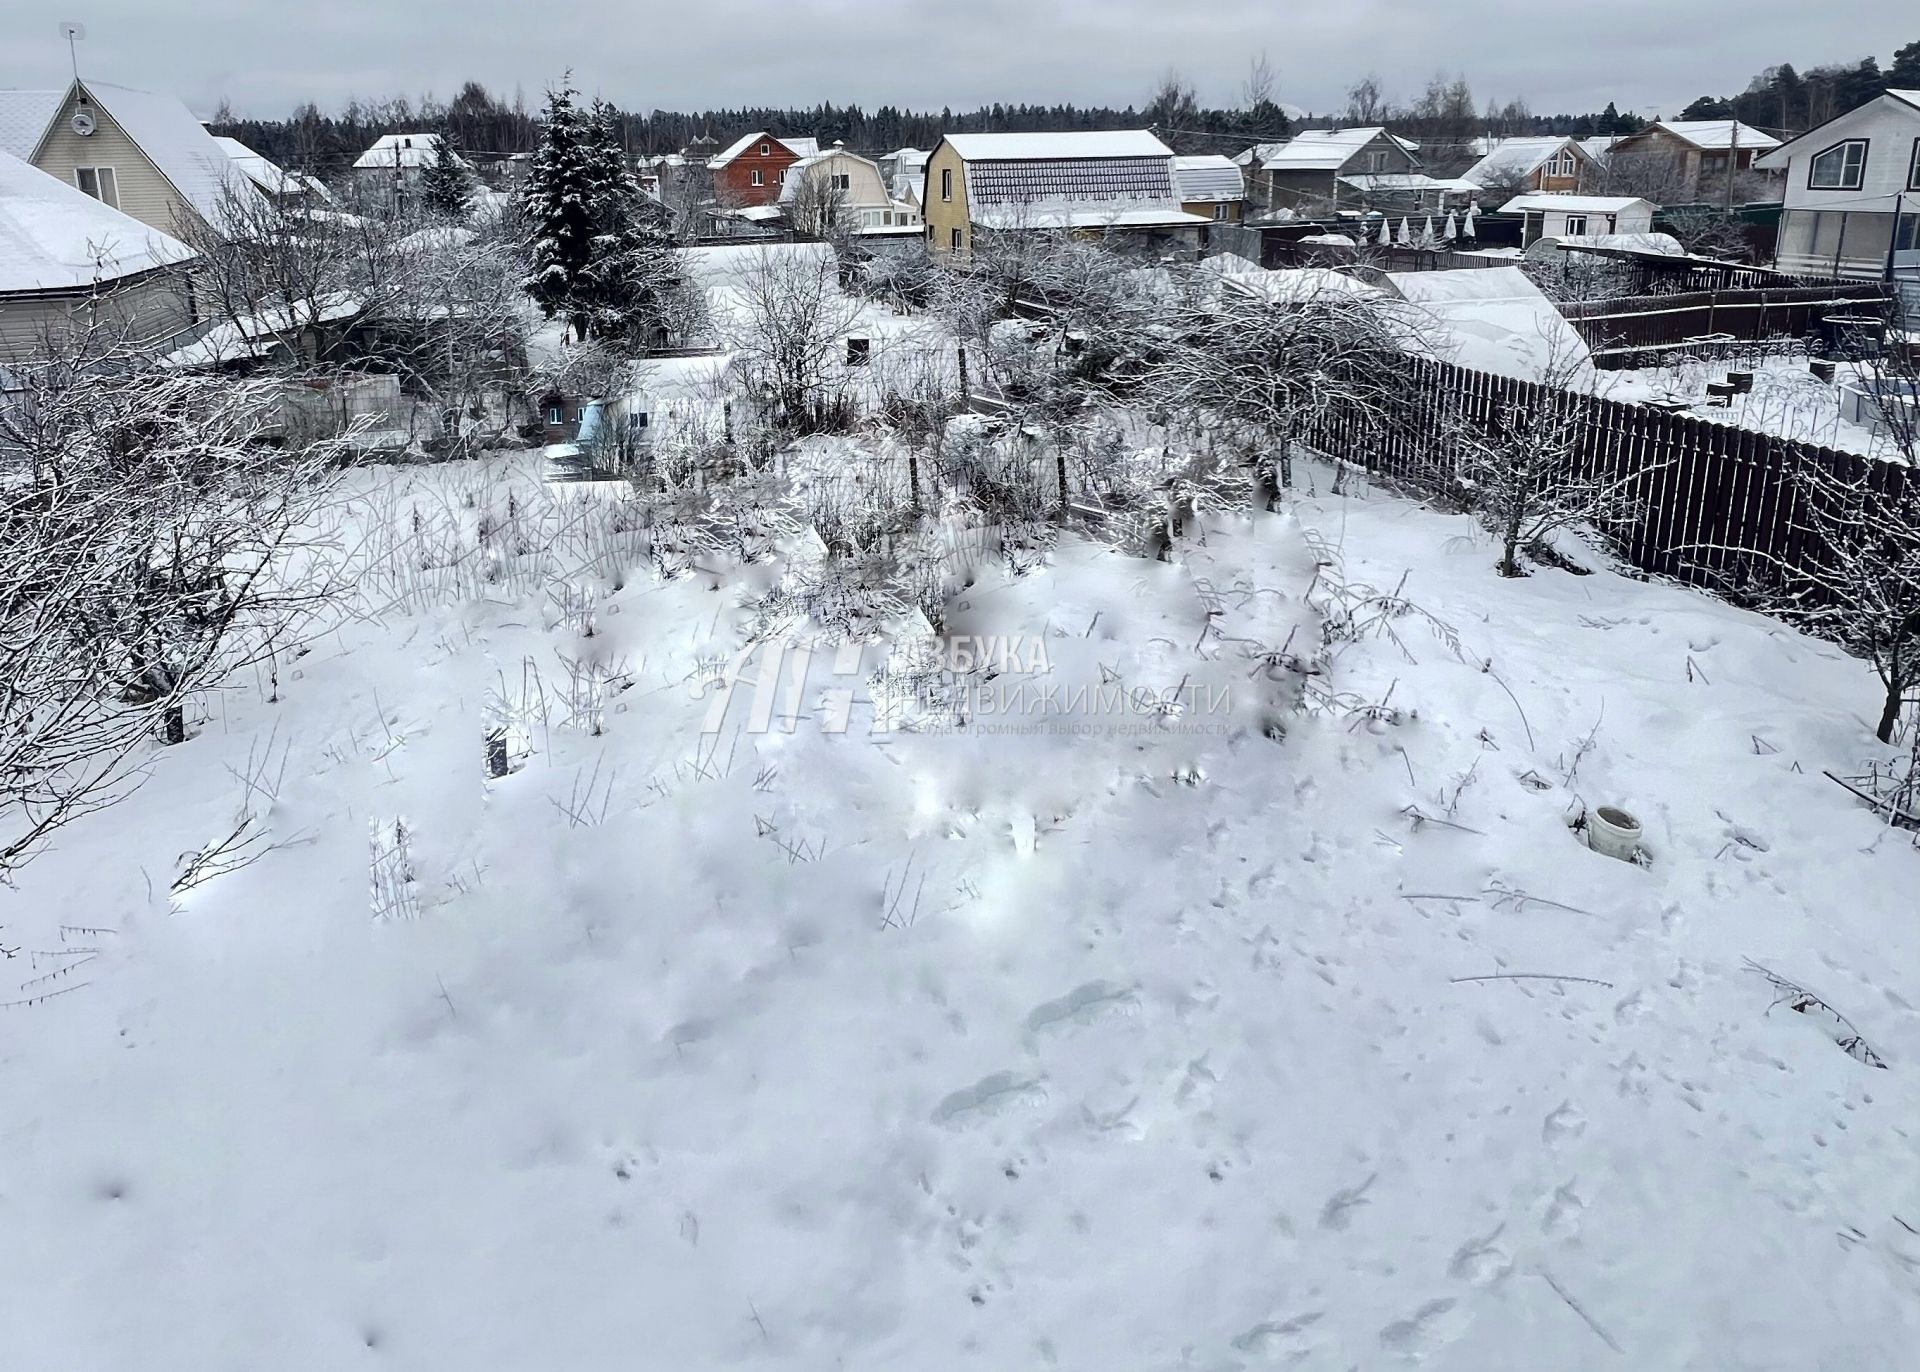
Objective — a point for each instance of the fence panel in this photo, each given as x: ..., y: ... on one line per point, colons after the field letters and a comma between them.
x: 1716, y: 504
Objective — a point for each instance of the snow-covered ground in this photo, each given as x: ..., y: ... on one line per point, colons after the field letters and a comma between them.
x: 1090, y: 1047
x: 1787, y: 400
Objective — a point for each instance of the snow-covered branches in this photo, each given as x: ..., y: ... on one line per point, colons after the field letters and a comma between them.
x: 1264, y: 369
x: 1864, y: 592
x: 791, y: 324
x: 144, y: 532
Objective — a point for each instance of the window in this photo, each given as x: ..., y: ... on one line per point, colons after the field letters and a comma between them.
x: 1377, y: 160
x: 98, y: 182
x: 946, y: 183
x: 956, y: 240
x: 1220, y: 212
x: 1561, y: 165
x: 758, y: 177
x: 1913, y: 168
x: 765, y: 148
x: 1575, y: 224
x: 858, y: 350
x: 556, y: 415
x: 1838, y: 168
x: 842, y: 181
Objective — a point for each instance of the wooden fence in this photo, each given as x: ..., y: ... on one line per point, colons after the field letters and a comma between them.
x: 1627, y: 332
x: 1717, y: 505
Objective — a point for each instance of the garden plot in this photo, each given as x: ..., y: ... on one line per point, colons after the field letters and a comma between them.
x: 1315, y: 1038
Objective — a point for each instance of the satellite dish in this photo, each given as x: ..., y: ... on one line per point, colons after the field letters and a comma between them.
x: 83, y: 123
x: 72, y: 31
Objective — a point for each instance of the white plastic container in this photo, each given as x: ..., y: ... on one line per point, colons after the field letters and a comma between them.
x: 1614, y: 833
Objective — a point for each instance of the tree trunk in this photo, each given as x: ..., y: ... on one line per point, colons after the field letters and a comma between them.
x: 173, y: 727
x: 1890, y: 710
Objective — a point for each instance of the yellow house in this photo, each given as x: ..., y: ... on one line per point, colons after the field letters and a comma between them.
x: 137, y: 152
x: 1119, y: 182
x: 70, y: 265
x: 1211, y: 187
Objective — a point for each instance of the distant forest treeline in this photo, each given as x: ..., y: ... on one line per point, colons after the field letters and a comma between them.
x: 1781, y: 100
x: 479, y: 121
x: 1445, y: 116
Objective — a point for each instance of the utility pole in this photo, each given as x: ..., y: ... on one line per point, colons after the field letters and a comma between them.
x: 1893, y: 239
x: 1733, y: 161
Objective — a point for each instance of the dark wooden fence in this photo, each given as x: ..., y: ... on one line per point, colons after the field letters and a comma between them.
x: 1634, y: 330
x: 1718, y: 505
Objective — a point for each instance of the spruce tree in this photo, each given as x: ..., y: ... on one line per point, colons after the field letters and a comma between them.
x: 444, y: 185
x: 560, y: 210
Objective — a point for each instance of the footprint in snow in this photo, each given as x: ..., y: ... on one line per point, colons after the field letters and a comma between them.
x: 1083, y: 1005
x: 1337, y: 1213
x: 991, y: 1095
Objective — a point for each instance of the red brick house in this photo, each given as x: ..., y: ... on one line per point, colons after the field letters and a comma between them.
x: 749, y: 172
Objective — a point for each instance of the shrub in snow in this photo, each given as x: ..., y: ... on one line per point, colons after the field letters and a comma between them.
x: 149, y: 546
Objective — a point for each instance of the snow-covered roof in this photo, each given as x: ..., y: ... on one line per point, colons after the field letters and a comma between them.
x: 176, y: 143
x: 1085, y: 215
x: 1599, y: 148
x: 1288, y: 285
x: 802, y: 147
x: 267, y: 176
x: 1661, y: 244
x: 392, y: 150
x: 24, y: 116
x: 1049, y: 147
x: 1257, y: 154
x: 1050, y: 180
x: 1717, y: 135
x: 1512, y: 158
x: 256, y: 335
x: 56, y: 237
x: 1207, y: 178
x: 1576, y: 204
x: 908, y: 157
x: 1320, y: 149
x: 1398, y: 181
x: 1493, y: 319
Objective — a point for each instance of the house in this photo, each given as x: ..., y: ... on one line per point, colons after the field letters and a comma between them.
x: 1102, y: 183
x: 1852, y: 196
x: 1359, y: 168
x: 69, y: 262
x: 1211, y: 187
x: 1578, y: 216
x: 1681, y: 159
x: 1553, y: 164
x: 837, y: 190
x: 397, y: 161
x: 135, y: 151
x: 906, y: 172
x: 281, y: 187
x: 749, y: 172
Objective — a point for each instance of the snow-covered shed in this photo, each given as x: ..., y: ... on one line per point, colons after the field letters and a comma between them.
x: 1573, y: 216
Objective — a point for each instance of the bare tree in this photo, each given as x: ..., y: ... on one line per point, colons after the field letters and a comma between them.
x: 1264, y: 369
x: 148, y: 547
x: 821, y: 209
x: 1365, y: 103
x: 1861, y: 585
x: 789, y: 330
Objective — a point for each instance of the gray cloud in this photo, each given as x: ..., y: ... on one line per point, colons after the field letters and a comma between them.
x: 268, y: 55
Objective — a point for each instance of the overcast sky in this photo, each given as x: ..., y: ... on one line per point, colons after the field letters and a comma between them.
x: 268, y: 55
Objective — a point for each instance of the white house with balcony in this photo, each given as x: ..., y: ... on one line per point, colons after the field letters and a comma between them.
x: 1852, y: 204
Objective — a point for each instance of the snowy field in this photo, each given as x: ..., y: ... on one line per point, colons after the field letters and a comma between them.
x: 1092, y: 1048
